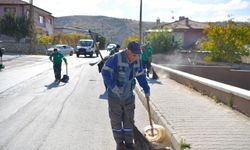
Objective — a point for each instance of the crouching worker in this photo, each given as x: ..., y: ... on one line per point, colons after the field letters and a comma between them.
x: 119, y: 73
x: 56, y: 58
x: 1, y: 55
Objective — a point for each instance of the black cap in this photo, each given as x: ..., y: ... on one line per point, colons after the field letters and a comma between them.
x: 134, y: 47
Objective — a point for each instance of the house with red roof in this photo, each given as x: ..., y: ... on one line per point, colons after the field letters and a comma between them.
x: 43, y: 19
x: 184, y: 29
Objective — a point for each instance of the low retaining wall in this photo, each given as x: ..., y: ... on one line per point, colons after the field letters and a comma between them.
x: 234, y: 97
x: 225, y: 74
x: 24, y: 48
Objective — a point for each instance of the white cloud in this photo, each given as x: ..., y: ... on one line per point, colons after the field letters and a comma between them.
x: 152, y: 9
x: 242, y: 18
x: 199, y: 11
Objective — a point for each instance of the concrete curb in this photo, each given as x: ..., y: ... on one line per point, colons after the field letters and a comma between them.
x: 158, y: 118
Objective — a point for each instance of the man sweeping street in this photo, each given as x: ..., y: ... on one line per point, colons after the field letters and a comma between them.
x: 119, y: 73
x: 56, y: 58
x: 146, y: 57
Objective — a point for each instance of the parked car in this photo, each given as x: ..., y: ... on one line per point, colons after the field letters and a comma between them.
x: 86, y: 47
x: 64, y: 49
x: 111, y: 47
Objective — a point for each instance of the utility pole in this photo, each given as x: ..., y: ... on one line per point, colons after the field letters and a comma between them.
x: 140, y: 24
x: 32, y: 26
x: 102, y: 28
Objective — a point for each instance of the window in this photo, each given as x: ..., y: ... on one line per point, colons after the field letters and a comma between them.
x: 27, y: 14
x: 42, y: 21
x: 50, y: 21
x: 11, y: 10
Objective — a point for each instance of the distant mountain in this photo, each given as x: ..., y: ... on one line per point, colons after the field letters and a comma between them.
x: 114, y: 29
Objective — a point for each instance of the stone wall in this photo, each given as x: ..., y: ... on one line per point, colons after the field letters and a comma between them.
x: 24, y: 48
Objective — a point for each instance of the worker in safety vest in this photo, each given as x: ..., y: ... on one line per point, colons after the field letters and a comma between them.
x: 119, y: 73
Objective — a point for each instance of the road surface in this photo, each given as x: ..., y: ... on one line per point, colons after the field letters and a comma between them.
x: 37, y: 114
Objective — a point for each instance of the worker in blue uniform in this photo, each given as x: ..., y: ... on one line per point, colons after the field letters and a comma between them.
x: 119, y: 73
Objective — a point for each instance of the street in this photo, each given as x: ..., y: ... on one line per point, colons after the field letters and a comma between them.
x: 36, y: 113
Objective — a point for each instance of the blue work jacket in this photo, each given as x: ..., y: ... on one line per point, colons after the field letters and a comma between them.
x: 120, y: 74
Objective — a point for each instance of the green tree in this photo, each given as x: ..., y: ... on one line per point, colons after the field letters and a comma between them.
x: 132, y: 37
x: 8, y: 24
x: 67, y: 38
x: 101, y: 40
x: 162, y: 42
x: 227, y: 42
x: 45, y: 39
x: 17, y: 27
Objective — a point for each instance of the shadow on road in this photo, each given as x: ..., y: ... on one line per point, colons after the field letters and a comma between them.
x: 53, y: 85
x: 153, y: 81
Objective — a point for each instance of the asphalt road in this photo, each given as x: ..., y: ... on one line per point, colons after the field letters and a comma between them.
x: 37, y: 114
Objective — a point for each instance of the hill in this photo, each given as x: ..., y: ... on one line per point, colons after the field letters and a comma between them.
x: 114, y: 29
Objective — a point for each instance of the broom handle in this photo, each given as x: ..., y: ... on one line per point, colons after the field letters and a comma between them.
x: 149, y: 115
x: 66, y: 69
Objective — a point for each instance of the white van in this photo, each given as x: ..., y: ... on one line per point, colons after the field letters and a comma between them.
x: 86, y: 47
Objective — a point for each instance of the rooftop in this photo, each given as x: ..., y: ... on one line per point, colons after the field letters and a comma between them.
x: 185, y: 23
x: 20, y: 2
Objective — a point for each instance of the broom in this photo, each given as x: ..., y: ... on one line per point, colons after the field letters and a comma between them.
x: 155, y: 76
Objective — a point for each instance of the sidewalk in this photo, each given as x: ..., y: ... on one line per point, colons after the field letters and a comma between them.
x: 196, y: 119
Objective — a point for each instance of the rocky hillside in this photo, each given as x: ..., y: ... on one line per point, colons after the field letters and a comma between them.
x: 114, y: 29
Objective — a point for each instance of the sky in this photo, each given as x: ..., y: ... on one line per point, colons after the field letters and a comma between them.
x: 166, y: 10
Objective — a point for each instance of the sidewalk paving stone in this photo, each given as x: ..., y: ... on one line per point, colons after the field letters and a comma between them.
x: 198, y: 119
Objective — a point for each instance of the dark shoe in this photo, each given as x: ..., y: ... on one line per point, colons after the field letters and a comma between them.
x: 129, y: 146
x: 57, y: 81
x: 120, y: 146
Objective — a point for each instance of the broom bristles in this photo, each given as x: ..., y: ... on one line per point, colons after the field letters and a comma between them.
x: 141, y: 142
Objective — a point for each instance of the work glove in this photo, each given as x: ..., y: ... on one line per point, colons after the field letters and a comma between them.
x: 117, y: 91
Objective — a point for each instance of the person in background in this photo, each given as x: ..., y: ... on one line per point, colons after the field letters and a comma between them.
x: 119, y: 73
x: 115, y: 50
x: 146, y: 58
x: 56, y: 58
x: 1, y: 55
x: 101, y: 63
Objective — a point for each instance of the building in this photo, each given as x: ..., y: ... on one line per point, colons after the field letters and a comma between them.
x: 187, y: 30
x: 43, y: 19
x: 184, y: 29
